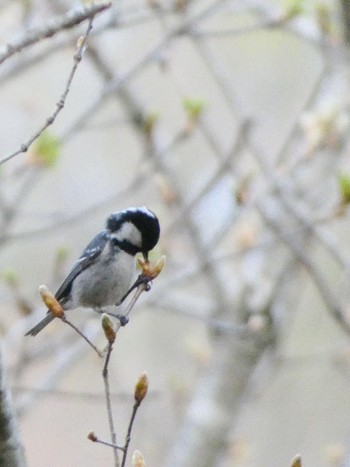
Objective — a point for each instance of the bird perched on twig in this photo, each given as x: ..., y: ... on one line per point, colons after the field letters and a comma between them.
x: 102, y: 275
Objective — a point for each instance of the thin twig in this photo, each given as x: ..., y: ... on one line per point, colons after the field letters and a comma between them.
x: 81, y: 334
x: 60, y: 104
x: 115, y: 84
x: 106, y: 443
x: 128, y: 434
x: 141, y: 288
x: 66, y: 21
x: 109, y: 405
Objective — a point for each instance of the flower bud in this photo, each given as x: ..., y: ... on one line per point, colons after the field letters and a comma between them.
x: 50, y: 301
x: 108, y: 328
x: 159, y: 266
x: 141, y: 388
x: 138, y: 460
x: 150, y: 271
x: 296, y: 462
x: 92, y: 437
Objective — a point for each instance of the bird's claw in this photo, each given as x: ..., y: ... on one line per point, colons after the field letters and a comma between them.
x: 123, y: 319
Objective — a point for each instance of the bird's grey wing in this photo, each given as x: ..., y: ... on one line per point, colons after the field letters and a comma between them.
x: 89, y: 255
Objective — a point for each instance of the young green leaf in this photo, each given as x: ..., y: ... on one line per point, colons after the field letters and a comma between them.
x: 344, y: 186
x: 46, y: 149
x: 293, y: 8
x: 193, y: 107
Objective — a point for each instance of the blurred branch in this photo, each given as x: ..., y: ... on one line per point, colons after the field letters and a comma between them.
x: 66, y: 21
x: 115, y: 83
x: 299, y: 253
x: 274, y: 184
x: 11, y: 450
x: 215, y: 404
x: 289, y: 201
x: 68, y: 220
x: 345, y: 8
x: 65, y: 358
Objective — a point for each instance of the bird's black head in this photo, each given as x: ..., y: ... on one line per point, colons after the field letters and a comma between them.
x: 134, y: 230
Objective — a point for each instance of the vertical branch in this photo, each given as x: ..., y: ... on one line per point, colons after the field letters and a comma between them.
x: 128, y: 435
x: 345, y: 8
x: 11, y: 450
x: 109, y: 405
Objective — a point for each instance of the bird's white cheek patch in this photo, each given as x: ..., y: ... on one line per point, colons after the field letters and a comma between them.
x: 128, y: 232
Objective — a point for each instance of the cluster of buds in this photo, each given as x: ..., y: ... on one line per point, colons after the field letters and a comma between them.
x: 150, y: 271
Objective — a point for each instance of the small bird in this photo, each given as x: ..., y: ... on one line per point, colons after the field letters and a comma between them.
x: 102, y: 275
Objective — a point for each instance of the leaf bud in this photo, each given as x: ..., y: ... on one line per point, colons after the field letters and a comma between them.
x: 141, y: 388
x: 51, y: 302
x: 108, y: 328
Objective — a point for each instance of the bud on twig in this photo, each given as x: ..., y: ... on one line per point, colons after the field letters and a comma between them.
x: 141, y: 388
x: 108, y: 328
x: 344, y: 187
x: 149, y: 124
x: 138, y: 460
x: 80, y: 42
x: 50, y: 301
x: 92, y: 437
x: 194, y: 109
x: 150, y: 271
x: 296, y: 462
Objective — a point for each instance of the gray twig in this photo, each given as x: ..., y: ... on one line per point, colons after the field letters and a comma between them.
x: 60, y: 104
x: 66, y: 21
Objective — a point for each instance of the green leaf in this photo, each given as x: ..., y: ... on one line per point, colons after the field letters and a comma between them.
x: 293, y: 8
x: 47, y: 149
x: 10, y: 277
x: 344, y: 186
x: 62, y: 253
x: 194, y: 107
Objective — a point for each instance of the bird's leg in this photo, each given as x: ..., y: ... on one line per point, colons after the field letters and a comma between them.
x: 140, y: 280
x: 123, y: 319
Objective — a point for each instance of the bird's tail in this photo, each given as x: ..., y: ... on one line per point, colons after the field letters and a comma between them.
x: 41, y: 325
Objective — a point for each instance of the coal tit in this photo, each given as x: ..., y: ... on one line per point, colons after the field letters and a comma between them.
x: 102, y: 275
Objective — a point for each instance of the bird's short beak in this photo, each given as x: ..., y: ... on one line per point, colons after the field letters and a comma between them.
x: 145, y: 255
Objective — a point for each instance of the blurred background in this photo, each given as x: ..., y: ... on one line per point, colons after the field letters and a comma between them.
x: 230, y: 120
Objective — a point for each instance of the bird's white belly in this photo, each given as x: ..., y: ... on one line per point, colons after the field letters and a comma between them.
x: 108, y: 282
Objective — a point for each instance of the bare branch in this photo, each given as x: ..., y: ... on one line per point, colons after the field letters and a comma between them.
x: 11, y: 450
x: 60, y: 104
x: 109, y: 405
x: 67, y: 21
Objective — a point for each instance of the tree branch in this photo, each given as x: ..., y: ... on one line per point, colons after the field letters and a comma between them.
x: 68, y: 20
x: 11, y: 451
